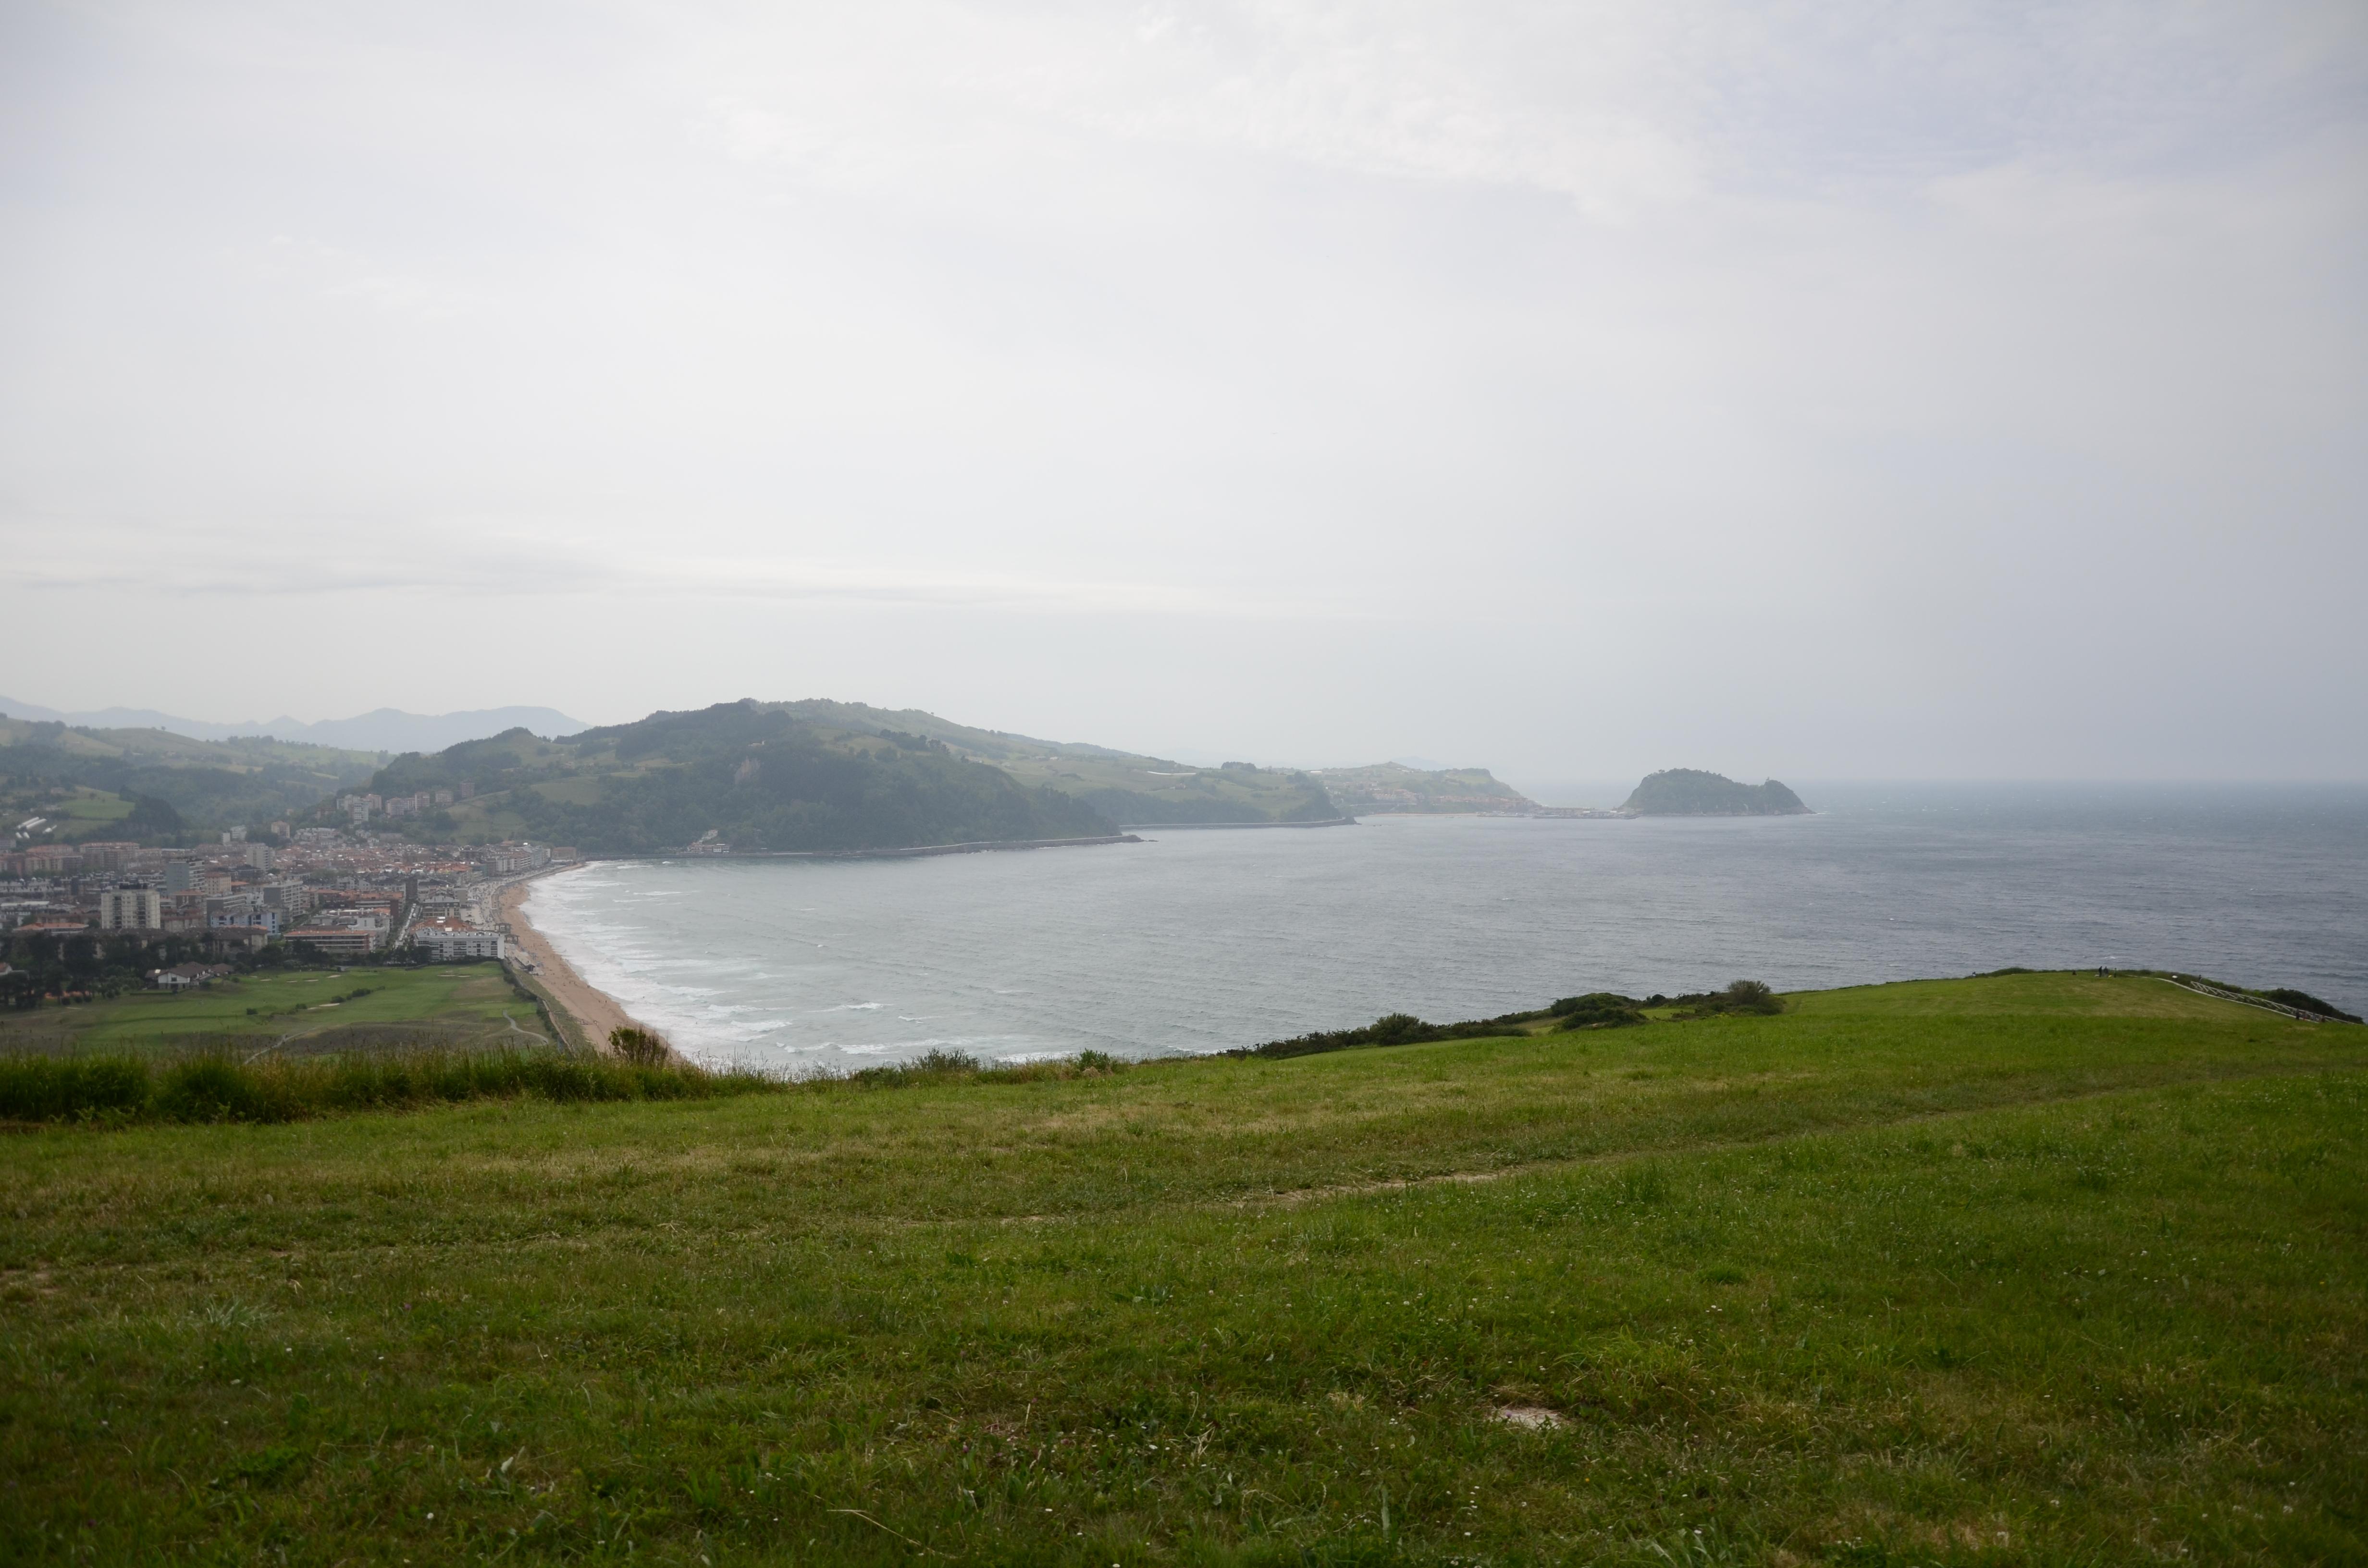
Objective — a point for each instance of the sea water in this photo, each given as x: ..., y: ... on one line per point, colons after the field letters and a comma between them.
x: 1199, y: 941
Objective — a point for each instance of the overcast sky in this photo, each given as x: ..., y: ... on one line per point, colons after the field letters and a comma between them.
x: 1836, y: 390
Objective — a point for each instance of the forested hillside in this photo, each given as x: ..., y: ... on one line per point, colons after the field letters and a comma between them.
x: 820, y: 775
x: 1131, y: 789
x: 755, y: 775
x: 159, y: 788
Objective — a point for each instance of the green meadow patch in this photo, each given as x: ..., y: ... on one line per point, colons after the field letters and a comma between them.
x: 291, y: 1009
x: 2027, y: 1269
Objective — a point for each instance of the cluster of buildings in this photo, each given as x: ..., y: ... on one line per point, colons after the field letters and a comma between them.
x: 359, y: 808
x: 60, y: 860
x: 342, y: 896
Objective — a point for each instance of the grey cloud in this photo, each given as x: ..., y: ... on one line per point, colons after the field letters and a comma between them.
x: 1881, y: 381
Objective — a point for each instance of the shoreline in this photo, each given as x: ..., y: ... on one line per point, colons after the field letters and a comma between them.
x: 592, y: 1010
x: 1134, y: 827
x: 979, y: 846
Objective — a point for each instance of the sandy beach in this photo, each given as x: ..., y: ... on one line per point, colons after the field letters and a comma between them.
x: 594, y: 1011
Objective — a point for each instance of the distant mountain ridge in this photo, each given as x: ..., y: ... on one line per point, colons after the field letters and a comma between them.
x: 382, y: 729
x: 812, y: 775
x: 153, y: 785
x: 744, y: 776
x: 1130, y: 788
x: 815, y: 775
x: 1690, y: 792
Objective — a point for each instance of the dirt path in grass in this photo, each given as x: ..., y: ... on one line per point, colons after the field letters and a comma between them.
x: 1294, y: 1197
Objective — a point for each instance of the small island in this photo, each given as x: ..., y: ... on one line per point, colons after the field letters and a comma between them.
x: 1690, y: 792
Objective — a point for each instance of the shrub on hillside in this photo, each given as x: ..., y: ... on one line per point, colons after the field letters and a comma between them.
x: 2304, y: 1000
x: 1740, y: 996
x: 1391, y: 1028
x: 642, y: 1048
x: 1596, y: 1010
x: 1749, y: 997
x: 216, y: 1088
x: 49, y: 1088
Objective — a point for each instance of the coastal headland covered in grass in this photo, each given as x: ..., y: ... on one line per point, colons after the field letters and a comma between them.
x: 2025, y: 1268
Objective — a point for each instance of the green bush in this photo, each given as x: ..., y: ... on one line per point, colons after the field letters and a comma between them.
x: 1749, y: 997
x: 2308, y: 1002
x: 1391, y: 1028
x: 941, y: 1066
x: 48, y: 1088
x: 1740, y: 996
x: 933, y: 1066
x: 642, y: 1048
x: 216, y: 1088
x: 1596, y: 1010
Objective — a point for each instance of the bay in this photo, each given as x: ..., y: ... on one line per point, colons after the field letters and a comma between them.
x: 1199, y: 941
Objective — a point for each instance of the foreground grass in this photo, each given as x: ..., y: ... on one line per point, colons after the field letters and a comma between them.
x: 295, y: 1006
x: 2036, y: 1269
x: 119, y: 1091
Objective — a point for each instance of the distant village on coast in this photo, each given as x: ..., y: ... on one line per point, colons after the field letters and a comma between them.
x: 247, y: 851
x: 323, y: 893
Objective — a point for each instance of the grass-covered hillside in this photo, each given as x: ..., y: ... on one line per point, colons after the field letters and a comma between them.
x: 156, y: 787
x: 1130, y: 788
x: 818, y: 776
x: 2031, y: 1269
x: 754, y: 775
x: 1395, y: 787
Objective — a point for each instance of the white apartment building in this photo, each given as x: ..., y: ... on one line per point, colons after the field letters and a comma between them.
x: 130, y: 909
x: 446, y: 940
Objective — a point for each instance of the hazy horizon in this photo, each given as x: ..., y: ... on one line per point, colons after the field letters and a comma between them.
x: 1945, y: 392
x: 1599, y: 790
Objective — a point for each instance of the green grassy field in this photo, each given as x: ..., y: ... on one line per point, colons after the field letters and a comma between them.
x: 2033, y: 1269
x: 297, y: 1006
x: 89, y: 805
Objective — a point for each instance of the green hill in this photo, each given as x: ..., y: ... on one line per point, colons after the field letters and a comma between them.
x: 809, y: 775
x: 1393, y: 787
x: 156, y: 787
x: 2036, y: 1269
x: 1690, y: 792
x: 755, y: 775
x: 820, y: 775
x: 1128, y: 788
